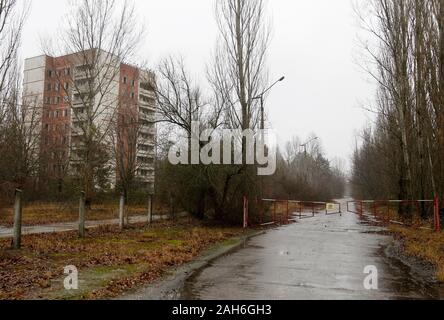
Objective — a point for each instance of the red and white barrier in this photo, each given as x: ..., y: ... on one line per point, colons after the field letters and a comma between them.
x: 374, y: 205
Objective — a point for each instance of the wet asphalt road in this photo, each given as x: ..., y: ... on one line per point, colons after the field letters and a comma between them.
x: 318, y: 258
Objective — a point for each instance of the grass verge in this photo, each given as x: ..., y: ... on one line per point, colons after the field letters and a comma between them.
x: 110, y: 262
x: 423, y: 244
x: 48, y: 213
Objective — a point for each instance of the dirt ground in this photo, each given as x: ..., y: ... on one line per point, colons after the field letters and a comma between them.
x: 109, y: 261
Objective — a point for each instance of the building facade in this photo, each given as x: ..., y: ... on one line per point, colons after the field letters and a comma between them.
x: 81, y: 90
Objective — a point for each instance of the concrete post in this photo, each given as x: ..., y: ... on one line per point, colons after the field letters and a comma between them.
x: 287, y: 218
x: 172, y: 209
x: 150, y: 209
x: 82, y: 212
x: 17, y: 240
x: 122, y: 212
x: 245, y: 224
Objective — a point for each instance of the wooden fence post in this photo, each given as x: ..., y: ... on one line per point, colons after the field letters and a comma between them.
x: 17, y: 240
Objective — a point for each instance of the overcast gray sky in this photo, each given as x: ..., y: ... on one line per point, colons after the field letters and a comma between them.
x: 313, y: 46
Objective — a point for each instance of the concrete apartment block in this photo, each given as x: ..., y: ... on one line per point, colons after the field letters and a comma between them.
x: 57, y: 86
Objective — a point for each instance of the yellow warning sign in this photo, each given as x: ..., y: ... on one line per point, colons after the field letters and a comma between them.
x: 331, y: 206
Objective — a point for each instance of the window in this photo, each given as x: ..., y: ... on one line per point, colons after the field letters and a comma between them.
x: 67, y: 72
x: 133, y: 83
x: 124, y: 80
x: 65, y: 113
x: 48, y: 87
x: 58, y: 100
x: 57, y: 113
x: 48, y: 100
x: 50, y: 73
x: 66, y: 85
x: 132, y: 95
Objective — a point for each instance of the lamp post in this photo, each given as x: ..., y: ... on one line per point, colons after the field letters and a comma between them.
x: 307, y: 143
x: 261, y: 98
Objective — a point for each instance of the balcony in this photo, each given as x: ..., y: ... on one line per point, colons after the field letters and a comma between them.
x: 81, y: 75
x: 76, y: 132
x: 147, y: 86
x: 151, y: 130
x: 147, y: 117
x: 146, y: 153
x: 81, y: 72
x: 150, y: 142
x: 77, y: 102
x: 149, y: 170
x: 148, y: 100
x: 150, y: 179
x: 82, y: 88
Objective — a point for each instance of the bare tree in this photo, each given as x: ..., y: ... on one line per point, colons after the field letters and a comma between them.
x: 12, y: 20
x: 19, y: 117
x: 392, y: 63
x: 181, y: 103
x: 179, y: 98
x: 239, y: 71
x: 125, y: 136
x: 19, y: 143
x: 403, y: 152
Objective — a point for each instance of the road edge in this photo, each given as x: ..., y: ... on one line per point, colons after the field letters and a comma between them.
x: 170, y: 286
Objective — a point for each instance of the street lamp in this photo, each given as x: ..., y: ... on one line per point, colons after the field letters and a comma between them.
x: 307, y: 143
x: 261, y: 97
